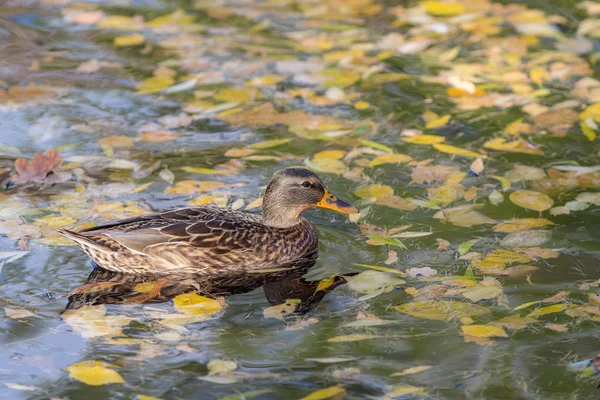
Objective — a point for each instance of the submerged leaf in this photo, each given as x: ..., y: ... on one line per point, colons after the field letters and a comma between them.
x: 441, y: 310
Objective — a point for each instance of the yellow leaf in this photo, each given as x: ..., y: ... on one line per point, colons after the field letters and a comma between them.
x: 525, y: 305
x: 146, y: 397
x: 154, y: 84
x: 441, y: 310
x: 267, y: 144
x: 503, y: 181
x: 234, y: 95
x: 455, y: 150
x: 265, y: 80
x: 55, y: 221
x: 401, y: 391
x: 539, y: 75
x: 389, y: 159
x: 194, y: 304
x: 325, y: 283
x: 592, y: 111
x: 193, y: 187
x: 438, y: 122
x: 412, y: 370
x: 522, y: 224
x: 373, y: 191
x: 325, y: 393
x: 116, y: 142
x: 588, y: 131
x: 497, y: 260
x: 92, y: 321
x: 516, y: 146
x: 121, y: 22
x: 443, y: 9
x: 129, y: 40
x: 94, y: 373
x: 531, y: 200
x: 351, y: 338
x: 483, y: 331
x: 424, y: 139
x: 239, y: 152
x: 212, y: 171
x: 159, y: 136
x: 548, y: 310
x: 280, y: 310
x: 361, y: 105
x: 328, y: 165
x: 142, y: 187
x: 383, y: 269
x: 333, y: 154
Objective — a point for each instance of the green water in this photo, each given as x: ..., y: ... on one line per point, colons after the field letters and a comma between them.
x: 531, y: 363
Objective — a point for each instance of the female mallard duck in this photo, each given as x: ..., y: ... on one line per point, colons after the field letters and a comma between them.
x: 213, y: 241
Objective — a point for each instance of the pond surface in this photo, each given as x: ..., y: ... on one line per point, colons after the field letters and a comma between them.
x: 466, y: 132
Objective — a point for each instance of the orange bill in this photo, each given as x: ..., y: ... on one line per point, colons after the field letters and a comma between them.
x: 333, y: 203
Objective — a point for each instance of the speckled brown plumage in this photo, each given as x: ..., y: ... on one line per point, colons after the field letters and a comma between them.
x: 213, y: 241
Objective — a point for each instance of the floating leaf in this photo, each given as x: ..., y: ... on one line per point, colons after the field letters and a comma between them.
x: 438, y: 122
x: 325, y: 393
x: 373, y: 191
x: 129, y: 40
x: 267, y: 144
x: 445, y: 148
x: 94, y: 373
x: 478, y: 293
x: 443, y: 9
x: 154, y: 84
x: 548, y: 310
x: 483, y: 331
x: 413, y: 370
x: 441, y: 310
x: 193, y: 187
x: 351, y: 338
x: 424, y: 139
x: 466, y: 246
x: 531, y: 200
x: 522, y: 224
x: 389, y: 159
x: 194, y: 304
x: 218, y: 366
x: 383, y: 269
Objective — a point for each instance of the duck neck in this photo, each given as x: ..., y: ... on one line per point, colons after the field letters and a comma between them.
x: 278, y: 215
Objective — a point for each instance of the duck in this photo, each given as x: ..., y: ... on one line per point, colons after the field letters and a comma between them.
x: 217, y: 242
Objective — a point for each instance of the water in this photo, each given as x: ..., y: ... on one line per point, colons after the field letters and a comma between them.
x: 227, y: 45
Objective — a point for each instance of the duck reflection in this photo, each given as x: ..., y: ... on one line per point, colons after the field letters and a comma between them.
x: 279, y: 284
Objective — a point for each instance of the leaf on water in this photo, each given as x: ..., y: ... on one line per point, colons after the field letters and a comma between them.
x: 92, y: 321
x: 351, y: 338
x: 503, y: 181
x: 464, y: 215
x: 497, y: 260
x: 443, y: 8
x: 441, y: 310
x: 129, y: 40
x: 146, y: 397
x: 327, y: 165
x: 154, y: 84
x: 525, y: 173
x: 372, y: 283
x: 424, y: 139
x: 426, y: 272
x: 483, y: 331
x: 466, y: 246
x: 526, y: 239
x: 438, y: 122
x: 396, y: 202
x: 246, y: 395
x: 333, y: 391
x: 17, y: 313
x: 413, y: 370
x: 94, y: 373
x: 194, y: 304
x: 18, y: 386
x: 445, y: 148
x: 477, y: 167
x: 389, y: 159
x: 218, y: 366
x: 558, y: 297
x: 194, y: 187
x: 478, y: 293
x: 159, y: 136
x: 522, y: 224
x: 531, y: 200
x: 361, y: 105
x: 116, y: 142
x: 516, y: 146
x: 399, y: 391
x: 331, y: 360
x: 279, y: 311
x: 267, y: 144
x: 373, y: 191
x: 548, y: 310
x: 36, y: 170
x: 384, y: 269
x: 514, y: 322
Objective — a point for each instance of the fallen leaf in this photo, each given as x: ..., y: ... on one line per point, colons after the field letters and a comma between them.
x: 483, y: 331
x: 531, y: 200
x: 94, y: 373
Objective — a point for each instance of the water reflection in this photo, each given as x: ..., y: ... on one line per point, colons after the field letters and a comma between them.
x: 279, y: 285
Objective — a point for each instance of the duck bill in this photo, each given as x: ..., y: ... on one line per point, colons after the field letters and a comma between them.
x: 333, y: 203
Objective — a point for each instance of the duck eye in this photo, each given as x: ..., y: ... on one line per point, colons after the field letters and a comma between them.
x: 306, y: 184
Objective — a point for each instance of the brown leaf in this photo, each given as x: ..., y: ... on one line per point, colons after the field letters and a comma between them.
x: 37, y: 169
